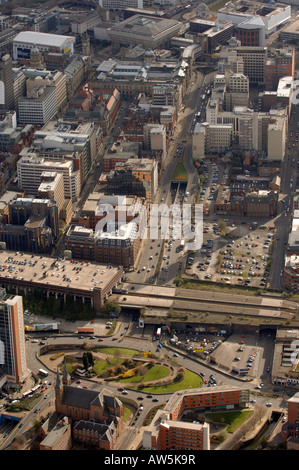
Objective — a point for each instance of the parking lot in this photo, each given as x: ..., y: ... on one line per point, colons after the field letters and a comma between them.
x: 240, y: 257
x: 235, y: 353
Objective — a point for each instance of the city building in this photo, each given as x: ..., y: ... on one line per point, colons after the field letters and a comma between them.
x: 169, y: 432
x: 258, y: 204
x: 251, y: 32
x: 136, y: 177
x: 211, y: 139
x: 13, y: 361
x: 7, y: 101
x: 118, y: 245
x: 36, y: 77
x: 290, y: 430
x: 124, y: 208
x: 150, y: 32
x: 242, y: 12
x: 291, y: 273
x: 291, y: 32
x: 39, y: 106
x: 32, y: 225
x: 279, y: 63
x: 91, y: 285
x: 10, y: 134
x: 25, y: 41
x: 31, y: 166
x: 79, y: 142
x: 120, y: 152
x: 89, y: 417
x: 120, y: 4
x: 52, y: 187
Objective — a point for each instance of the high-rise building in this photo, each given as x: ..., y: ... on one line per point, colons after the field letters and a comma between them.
x: 6, y: 83
x: 13, y: 364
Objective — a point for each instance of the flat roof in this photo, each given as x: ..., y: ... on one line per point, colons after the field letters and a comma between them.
x: 46, y: 39
x: 59, y: 272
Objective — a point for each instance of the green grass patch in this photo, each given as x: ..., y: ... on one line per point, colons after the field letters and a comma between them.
x: 191, y: 380
x: 233, y: 419
x: 127, y: 413
x: 120, y: 351
x: 25, y: 405
x: 154, y: 373
x: 180, y: 172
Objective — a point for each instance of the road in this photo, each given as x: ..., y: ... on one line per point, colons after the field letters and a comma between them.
x: 285, y: 208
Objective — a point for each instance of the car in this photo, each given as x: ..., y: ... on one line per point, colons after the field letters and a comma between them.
x: 139, y: 398
x: 155, y: 400
x: 100, y: 339
x: 78, y: 381
x: 121, y: 389
x: 114, y: 339
x: 149, y: 396
x: 124, y: 392
x: 84, y: 386
x: 268, y: 404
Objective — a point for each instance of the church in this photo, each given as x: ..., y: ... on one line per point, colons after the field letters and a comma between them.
x: 90, y: 417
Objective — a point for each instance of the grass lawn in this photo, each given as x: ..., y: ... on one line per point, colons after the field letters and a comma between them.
x: 127, y: 413
x: 180, y: 172
x: 154, y: 373
x: 121, y: 351
x: 191, y: 380
x: 233, y: 419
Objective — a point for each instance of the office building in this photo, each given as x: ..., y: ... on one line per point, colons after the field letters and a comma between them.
x: 251, y: 14
x: 36, y: 78
x: 150, y: 32
x: 290, y: 430
x: 52, y: 187
x: 39, y: 106
x: 120, y: 4
x: 168, y: 432
x: 25, y: 41
x: 136, y: 177
x: 30, y: 168
x: 68, y: 140
x: 291, y: 273
x: 280, y: 63
x: 13, y: 362
x: 6, y: 83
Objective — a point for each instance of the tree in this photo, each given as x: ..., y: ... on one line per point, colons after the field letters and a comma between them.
x: 110, y: 307
x: 222, y: 227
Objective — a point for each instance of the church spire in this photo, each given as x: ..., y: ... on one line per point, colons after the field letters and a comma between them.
x: 66, y: 378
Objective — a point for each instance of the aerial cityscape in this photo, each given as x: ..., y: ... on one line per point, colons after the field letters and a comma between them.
x: 149, y: 227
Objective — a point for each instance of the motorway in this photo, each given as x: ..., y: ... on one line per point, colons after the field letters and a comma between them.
x: 154, y: 252
x: 285, y: 208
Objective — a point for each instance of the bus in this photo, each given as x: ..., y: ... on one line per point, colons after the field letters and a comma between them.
x: 43, y: 372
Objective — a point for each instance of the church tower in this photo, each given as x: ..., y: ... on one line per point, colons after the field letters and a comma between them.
x: 36, y: 58
x: 66, y: 378
x: 58, y: 387
x: 85, y: 41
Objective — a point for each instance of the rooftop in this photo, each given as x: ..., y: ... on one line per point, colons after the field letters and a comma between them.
x: 46, y: 39
x: 43, y: 270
